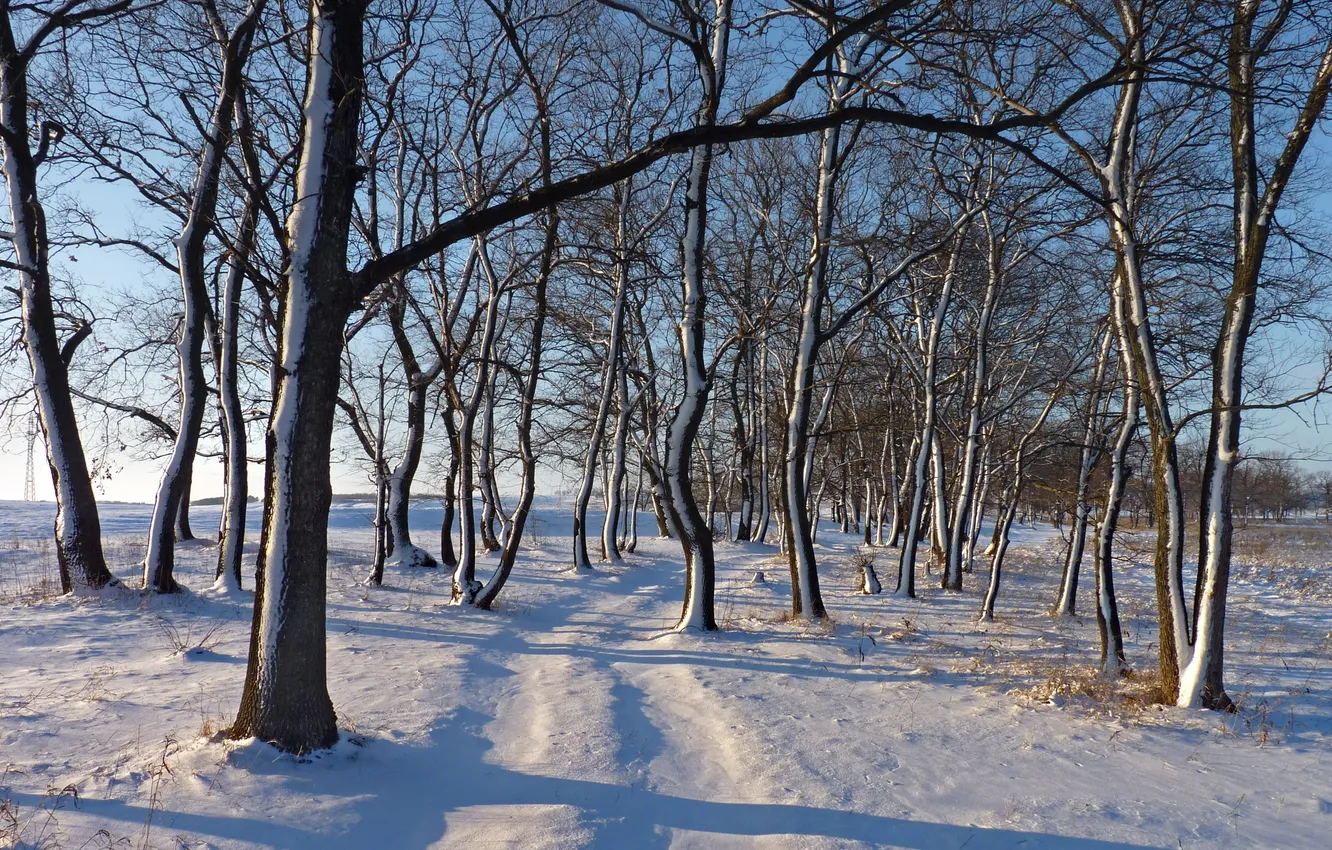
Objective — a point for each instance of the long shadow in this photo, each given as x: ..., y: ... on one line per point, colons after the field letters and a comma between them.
x: 514, y: 642
x: 451, y: 774
x: 216, y: 826
x: 640, y: 743
x: 402, y: 795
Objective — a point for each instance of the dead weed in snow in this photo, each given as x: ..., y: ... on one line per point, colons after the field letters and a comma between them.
x: 1059, y: 683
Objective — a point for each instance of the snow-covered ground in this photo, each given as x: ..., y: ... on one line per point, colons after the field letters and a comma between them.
x: 572, y: 717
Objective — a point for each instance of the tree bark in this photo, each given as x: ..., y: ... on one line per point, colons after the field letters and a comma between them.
x: 170, y: 517
x: 78, y: 533
x: 285, y: 698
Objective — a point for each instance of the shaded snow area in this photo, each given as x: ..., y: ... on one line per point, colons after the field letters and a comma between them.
x: 572, y: 716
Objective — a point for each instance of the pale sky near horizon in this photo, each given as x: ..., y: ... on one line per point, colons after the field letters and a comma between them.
x: 1305, y: 431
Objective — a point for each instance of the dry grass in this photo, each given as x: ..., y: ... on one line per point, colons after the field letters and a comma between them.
x: 1060, y: 683
x: 28, y: 571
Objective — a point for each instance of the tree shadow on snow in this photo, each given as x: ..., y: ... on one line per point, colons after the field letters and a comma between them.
x: 421, y: 786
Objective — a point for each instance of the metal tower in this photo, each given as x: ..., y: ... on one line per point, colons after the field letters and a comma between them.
x: 30, y: 481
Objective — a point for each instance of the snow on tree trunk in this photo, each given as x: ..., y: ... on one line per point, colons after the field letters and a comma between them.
x: 285, y: 699
x: 465, y: 584
x: 78, y: 534
x: 609, y: 383
x: 906, y: 571
x: 806, y: 596
x: 1202, y: 680
x: 610, y: 527
x: 399, y: 485
x: 690, y: 525
x: 939, y: 534
x: 231, y: 535
x: 966, y: 487
x: 1107, y: 606
x: 1088, y: 454
x: 171, y: 508
x: 1118, y: 181
x: 679, y: 502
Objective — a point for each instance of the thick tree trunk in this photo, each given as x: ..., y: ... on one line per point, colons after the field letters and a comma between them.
x: 799, y: 530
x: 399, y: 485
x: 1118, y: 178
x: 689, y: 523
x: 183, y: 529
x: 285, y: 698
x: 1202, y: 681
x: 680, y: 504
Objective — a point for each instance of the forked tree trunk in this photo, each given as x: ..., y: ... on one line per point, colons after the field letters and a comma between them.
x: 170, y: 517
x: 1088, y: 456
x: 1202, y: 681
x: 1118, y: 178
x: 1107, y: 605
x: 231, y: 533
x: 609, y: 383
x: 400, y: 479
x: 966, y: 489
x: 906, y: 570
x: 465, y: 584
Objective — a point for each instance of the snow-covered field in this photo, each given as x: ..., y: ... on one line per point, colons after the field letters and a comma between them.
x: 571, y: 717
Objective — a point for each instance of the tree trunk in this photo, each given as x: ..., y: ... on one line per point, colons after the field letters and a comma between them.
x: 231, y: 533
x: 285, y: 699
x: 1107, y: 606
x: 465, y: 584
x: 78, y: 534
x: 609, y: 383
x: 610, y: 528
x: 170, y: 518
x: 906, y: 572
x: 1088, y: 455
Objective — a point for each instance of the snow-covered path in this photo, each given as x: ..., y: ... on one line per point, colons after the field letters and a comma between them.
x: 573, y: 717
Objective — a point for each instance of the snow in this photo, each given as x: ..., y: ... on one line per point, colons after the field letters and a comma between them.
x: 574, y: 717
